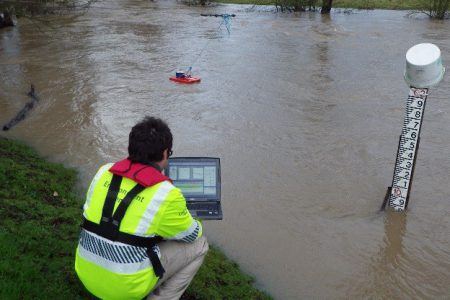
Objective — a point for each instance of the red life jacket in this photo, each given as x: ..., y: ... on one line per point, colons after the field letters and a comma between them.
x: 145, y: 175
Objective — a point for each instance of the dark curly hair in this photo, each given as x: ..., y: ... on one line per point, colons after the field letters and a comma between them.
x: 148, y: 140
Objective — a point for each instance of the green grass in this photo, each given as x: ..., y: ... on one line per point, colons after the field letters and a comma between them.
x: 39, y: 226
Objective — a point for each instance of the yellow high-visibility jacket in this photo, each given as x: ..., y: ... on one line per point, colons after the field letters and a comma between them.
x: 114, y: 270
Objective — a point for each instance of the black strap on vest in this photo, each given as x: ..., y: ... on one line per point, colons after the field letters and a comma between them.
x: 110, y: 223
x: 111, y: 196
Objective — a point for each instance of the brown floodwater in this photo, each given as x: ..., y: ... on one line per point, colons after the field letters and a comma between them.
x: 304, y: 111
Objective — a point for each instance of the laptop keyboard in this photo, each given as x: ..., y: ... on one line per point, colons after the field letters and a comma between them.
x: 205, y: 210
x: 202, y: 206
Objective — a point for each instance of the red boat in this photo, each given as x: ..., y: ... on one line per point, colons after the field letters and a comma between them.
x: 185, y: 79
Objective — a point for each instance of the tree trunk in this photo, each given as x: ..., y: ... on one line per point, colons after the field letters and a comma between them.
x: 326, y: 6
x: 6, y: 19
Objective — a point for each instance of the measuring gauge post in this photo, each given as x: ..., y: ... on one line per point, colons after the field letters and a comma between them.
x: 407, y: 149
x: 424, y: 69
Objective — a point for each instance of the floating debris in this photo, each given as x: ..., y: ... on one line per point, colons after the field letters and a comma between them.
x: 22, y: 114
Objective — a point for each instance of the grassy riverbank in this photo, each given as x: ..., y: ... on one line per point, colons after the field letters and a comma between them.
x: 357, y: 4
x: 39, y: 226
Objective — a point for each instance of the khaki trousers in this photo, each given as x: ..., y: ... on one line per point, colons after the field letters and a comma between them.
x: 181, y: 261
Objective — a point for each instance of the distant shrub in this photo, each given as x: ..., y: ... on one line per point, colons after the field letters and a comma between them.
x: 439, y: 9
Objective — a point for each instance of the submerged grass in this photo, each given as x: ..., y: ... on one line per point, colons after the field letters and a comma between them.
x: 356, y: 4
x: 381, y: 4
x: 39, y: 226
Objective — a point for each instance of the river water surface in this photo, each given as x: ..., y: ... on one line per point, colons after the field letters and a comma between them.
x: 304, y: 111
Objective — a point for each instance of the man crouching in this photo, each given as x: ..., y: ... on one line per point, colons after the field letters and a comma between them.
x: 138, y: 238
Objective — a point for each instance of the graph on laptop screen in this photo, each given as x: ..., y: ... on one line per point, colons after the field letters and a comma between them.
x: 196, y: 178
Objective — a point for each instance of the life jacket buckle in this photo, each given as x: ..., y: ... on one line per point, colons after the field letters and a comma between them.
x: 109, y: 230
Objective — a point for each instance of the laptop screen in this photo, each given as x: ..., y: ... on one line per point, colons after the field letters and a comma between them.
x: 197, y: 177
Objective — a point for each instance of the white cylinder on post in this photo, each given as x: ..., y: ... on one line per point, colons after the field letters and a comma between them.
x: 424, y: 67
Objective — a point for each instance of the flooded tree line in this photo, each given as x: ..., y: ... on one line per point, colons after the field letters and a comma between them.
x: 9, y: 9
x: 437, y: 9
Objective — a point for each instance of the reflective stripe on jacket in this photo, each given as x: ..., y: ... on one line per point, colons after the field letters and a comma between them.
x: 113, y: 270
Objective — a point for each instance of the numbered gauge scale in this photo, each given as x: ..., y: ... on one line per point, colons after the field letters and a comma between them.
x: 398, y: 193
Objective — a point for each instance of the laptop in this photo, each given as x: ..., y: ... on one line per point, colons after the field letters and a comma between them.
x: 198, y: 178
